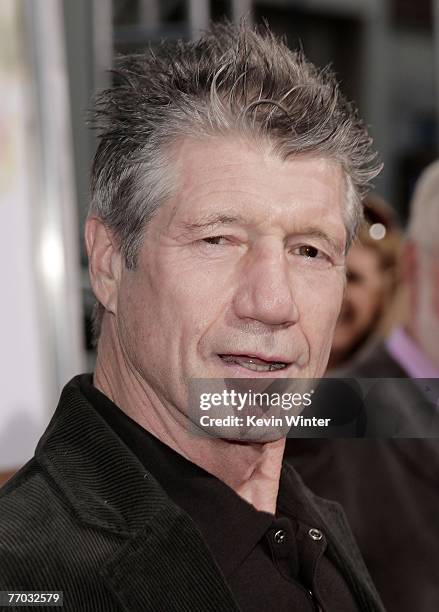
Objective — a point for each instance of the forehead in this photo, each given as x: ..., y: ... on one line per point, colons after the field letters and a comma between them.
x: 244, y: 178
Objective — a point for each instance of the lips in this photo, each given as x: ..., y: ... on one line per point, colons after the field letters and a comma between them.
x: 252, y: 363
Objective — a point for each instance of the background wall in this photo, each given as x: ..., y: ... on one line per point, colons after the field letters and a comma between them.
x: 41, y: 326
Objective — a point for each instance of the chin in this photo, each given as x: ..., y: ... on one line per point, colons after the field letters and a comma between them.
x: 251, y: 437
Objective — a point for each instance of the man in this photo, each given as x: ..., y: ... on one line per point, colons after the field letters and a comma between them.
x: 225, y: 190
x: 389, y: 487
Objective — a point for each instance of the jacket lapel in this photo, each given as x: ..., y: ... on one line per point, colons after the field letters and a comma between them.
x: 166, y: 566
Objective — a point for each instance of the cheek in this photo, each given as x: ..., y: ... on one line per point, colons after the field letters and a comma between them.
x: 196, y: 298
x: 187, y: 303
x: 319, y: 304
x: 136, y: 322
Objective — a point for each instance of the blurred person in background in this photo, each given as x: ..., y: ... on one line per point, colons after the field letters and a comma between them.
x: 371, y: 297
x: 389, y: 488
x: 412, y: 349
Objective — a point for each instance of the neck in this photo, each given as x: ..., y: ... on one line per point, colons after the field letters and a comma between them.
x: 252, y: 470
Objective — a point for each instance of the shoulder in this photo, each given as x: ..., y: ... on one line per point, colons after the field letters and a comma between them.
x: 43, y: 546
x: 24, y: 499
x: 31, y: 515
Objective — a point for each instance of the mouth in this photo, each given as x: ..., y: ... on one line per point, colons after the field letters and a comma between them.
x: 253, y: 364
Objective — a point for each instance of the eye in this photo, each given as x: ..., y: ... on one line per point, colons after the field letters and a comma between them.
x: 215, y: 240
x: 308, y: 251
x: 312, y: 255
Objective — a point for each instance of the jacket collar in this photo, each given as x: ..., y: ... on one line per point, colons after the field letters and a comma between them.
x: 104, y: 482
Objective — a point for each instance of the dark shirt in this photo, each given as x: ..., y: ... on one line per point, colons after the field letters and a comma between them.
x: 269, y: 562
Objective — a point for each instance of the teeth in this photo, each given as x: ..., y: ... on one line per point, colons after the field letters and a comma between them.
x: 254, y: 365
x: 277, y: 366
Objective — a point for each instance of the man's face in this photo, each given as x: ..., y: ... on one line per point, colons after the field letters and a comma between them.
x: 363, y: 300
x: 241, y: 273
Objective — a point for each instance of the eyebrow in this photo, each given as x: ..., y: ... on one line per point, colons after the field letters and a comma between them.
x: 211, y: 221
x: 314, y: 232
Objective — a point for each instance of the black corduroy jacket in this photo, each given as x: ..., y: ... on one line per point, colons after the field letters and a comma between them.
x: 84, y: 517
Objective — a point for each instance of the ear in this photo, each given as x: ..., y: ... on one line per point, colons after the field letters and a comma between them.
x: 105, y: 263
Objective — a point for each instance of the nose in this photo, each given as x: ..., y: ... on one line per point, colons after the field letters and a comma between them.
x: 265, y: 292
